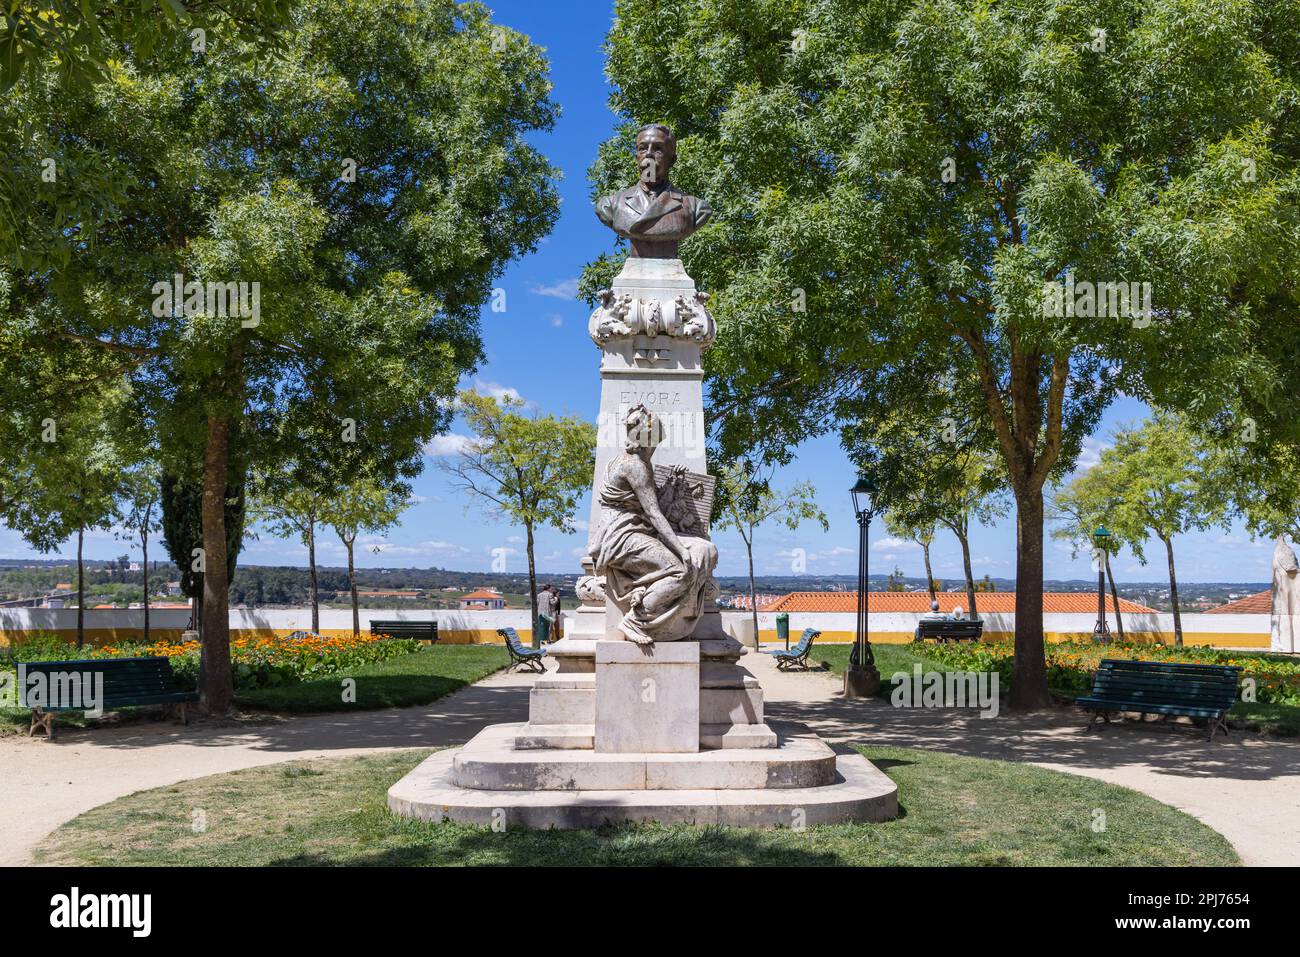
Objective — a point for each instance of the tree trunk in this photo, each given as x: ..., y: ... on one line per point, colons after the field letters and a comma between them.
x: 217, y: 688
x: 1173, y: 592
x: 532, y: 586
x: 753, y: 591
x: 81, y: 588
x: 929, y: 575
x: 1114, y: 596
x: 311, y: 561
x: 1029, y: 678
x: 970, y: 576
x: 144, y: 563
x: 352, y: 586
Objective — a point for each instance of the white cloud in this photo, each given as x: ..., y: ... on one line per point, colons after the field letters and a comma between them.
x: 557, y: 320
x: 893, y: 543
x: 496, y: 390
x: 564, y: 289
x: 450, y: 444
x: 1090, y: 453
x: 419, y: 549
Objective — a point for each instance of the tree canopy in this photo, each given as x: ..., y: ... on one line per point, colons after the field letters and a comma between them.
x: 919, y: 196
x: 293, y: 267
x: 531, y: 469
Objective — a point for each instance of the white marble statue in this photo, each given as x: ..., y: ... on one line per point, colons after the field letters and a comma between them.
x: 660, y: 577
x: 1286, y: 597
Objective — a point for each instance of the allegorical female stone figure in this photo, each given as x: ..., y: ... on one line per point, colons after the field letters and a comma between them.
x: 658, y: 577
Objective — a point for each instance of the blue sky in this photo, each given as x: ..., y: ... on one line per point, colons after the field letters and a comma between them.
x: 538, y: 349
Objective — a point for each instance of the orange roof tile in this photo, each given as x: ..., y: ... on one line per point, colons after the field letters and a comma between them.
x: 1257, y: 604
x: 999, y: 602
x: 482, y: 594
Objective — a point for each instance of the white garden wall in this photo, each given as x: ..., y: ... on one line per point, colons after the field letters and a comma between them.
x: 461, y: 627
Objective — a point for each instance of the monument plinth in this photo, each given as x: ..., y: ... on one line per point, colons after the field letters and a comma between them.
x: 648, y: 715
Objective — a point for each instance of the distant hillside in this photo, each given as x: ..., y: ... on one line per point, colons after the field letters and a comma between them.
x: 288, y: 585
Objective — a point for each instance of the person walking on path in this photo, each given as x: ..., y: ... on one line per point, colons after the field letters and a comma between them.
x: 557, y: 629
x: 546, y: 604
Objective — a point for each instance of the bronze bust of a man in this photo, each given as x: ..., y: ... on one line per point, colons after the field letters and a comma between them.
x: 651, y: 215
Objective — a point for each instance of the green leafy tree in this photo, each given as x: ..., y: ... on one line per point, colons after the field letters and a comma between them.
x: 180, y: 500
x: 903, y: 189
x: 75, y: 483
x: 901, y: 525
x: 1078, y: 512
x: 363, y: 505
x: 78, y: 38
x: 1254, y: 475
x: 53, y: 198
x: 1149, y: 483
x: 529, y: 468
x: 337, y: 216
x: 290, y: 508
x: 745, y: 500
x: 141, y: 516
x: 937, y: 467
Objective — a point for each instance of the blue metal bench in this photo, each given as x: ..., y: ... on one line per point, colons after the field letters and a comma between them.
x: 798, y: 655
x: 520, y: 656
x: 1163, y: 687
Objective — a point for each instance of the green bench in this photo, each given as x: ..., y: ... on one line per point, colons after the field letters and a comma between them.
x: 126, y: 682
x: 530, y: 658
x: 949, y: 629
x: 1164, y: 688
x: 420, y: 630
x: 798, y: 655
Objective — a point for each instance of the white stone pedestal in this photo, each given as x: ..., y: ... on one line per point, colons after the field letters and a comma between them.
x: 647, y: 697
x: 671, y: 731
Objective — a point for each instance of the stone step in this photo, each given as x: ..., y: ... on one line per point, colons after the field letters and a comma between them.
x: 538, y: 737
x: 858, y: 792
x: 492, y: 761
x: 737, y: 736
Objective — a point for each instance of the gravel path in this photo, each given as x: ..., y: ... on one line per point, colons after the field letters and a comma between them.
x: 43, y: 785
x: 1247, y: 788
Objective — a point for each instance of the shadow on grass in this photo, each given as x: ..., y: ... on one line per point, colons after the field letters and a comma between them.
x: 625, y: 846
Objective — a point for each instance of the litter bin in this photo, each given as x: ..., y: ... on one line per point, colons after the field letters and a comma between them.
x: 783, y: 629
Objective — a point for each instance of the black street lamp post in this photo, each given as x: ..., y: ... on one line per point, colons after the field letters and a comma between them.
x: 1101, y: 537
x: 862, y: 680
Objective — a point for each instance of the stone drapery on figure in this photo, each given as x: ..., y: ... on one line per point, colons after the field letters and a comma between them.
x: 1286, y: 597
x: 660, y: 579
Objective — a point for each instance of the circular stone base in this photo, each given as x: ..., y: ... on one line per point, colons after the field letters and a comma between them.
x: 860, y: 792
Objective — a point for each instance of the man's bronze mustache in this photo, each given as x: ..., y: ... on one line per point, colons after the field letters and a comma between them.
x: 649, y: 169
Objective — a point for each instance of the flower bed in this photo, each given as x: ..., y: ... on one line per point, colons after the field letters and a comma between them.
x: 257, y: 662
x: 1070, y: 667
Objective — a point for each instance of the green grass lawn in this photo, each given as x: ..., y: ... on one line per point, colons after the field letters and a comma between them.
x: 890, y: 659
x: 956, y: 811
x: 413, y: 679
x: 1279, y: 719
